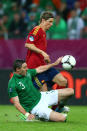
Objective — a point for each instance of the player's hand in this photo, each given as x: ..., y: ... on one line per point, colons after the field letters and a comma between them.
x: 58, y: 60
x: 31, y: 117
x: 46, y: 57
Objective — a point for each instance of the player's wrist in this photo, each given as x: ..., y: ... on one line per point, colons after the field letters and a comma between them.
x: 27, y: 114
x: 41, y: 52
x: 54, y: 64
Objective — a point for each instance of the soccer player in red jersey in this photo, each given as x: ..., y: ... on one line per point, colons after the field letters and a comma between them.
x: 36, y: 44
x: 36, y: 55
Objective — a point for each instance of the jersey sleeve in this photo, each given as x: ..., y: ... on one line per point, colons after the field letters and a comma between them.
x: 33, y: 36
x: 12, y: 90
x: 32, y: 72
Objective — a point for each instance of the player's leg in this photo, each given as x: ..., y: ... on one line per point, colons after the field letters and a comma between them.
x: 58, y: 117
x: 65, y: 93
x: 59, y: 95
x: 60, y: 80
x: 61, y: 105
x: 43, y: 111
x: 52, y: 98
x: 39, y: 82
x: 55, y: 76
x: 49, y: 76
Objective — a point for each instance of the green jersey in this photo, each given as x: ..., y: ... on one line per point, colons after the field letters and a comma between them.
x: 23, y: 87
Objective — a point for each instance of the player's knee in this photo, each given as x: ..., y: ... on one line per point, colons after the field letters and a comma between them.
x: 71, y: 91
x: 58, y: 117
x: 63, y: 82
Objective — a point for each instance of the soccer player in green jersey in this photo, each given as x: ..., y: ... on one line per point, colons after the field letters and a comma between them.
x: 26, y: 98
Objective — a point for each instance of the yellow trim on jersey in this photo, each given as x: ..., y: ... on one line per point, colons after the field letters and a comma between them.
x: 36, y: 30
x: 43, y: 81
x: 38, y: 82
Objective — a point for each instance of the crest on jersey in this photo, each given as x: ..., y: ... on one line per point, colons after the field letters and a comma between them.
x: 10, y: 89
x: 31, y: 38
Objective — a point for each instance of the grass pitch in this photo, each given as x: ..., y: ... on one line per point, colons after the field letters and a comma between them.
x: 76, y: 121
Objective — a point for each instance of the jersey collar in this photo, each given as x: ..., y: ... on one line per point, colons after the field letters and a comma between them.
x: 17, y: 75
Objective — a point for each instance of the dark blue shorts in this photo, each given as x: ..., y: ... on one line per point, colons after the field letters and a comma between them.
x: 45, y: 77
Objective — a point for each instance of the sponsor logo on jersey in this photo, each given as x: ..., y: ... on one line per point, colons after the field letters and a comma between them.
x: 31, y: 38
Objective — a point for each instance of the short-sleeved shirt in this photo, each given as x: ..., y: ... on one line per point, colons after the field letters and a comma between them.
x: 22, y: 87
x: 37, y: 37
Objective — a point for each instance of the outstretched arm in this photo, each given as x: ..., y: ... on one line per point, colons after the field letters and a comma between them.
x: 46, y: 67
x: 21, y: 109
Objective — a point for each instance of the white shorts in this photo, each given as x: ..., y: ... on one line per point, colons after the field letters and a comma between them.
x: 48, y: 98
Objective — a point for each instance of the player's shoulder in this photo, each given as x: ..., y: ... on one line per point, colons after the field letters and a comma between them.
x: 36, y: 30
x: 30, y: 70
x: 11, y: 81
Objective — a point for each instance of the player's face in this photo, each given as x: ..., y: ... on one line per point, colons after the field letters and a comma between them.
x: 23, y: 69
x: 48, y: 23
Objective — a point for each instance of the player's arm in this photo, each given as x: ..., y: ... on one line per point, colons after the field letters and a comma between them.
x: 17, y: 104
x: 46, y: 67
x: 21, y: 109
x: 32, y: 47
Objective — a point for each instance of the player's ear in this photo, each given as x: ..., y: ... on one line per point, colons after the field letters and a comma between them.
x: 17, y: 69
x: 43, y: 20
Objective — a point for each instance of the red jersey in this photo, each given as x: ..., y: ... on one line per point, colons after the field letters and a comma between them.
x: 83, y: 4
x: 37, y: 37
